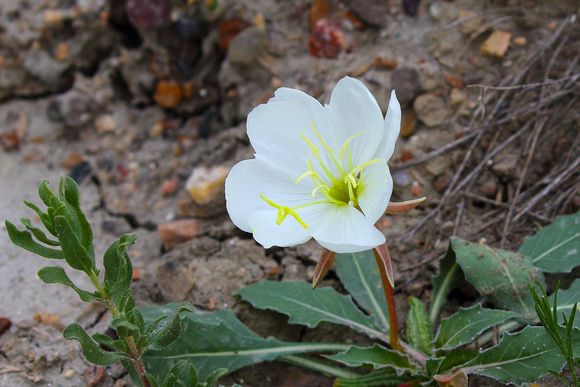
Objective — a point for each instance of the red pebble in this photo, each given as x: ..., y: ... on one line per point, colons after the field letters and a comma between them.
x: 5, y: 324
x: 148, y: 13
x: 326, y: 40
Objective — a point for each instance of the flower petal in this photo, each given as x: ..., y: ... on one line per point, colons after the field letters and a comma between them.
x: 347, y: 230
x: 353, y: 109
x: 274, y: 131
x: 250, y: 178
x: 313, y: 107
x: 377, y: 187
x: 290, y: 232
x: 392, y: 127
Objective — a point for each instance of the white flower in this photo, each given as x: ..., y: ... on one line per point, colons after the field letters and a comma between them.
x: 319, y: 171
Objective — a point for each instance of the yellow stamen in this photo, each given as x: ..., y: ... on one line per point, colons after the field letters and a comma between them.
x: 284, y: 211
x: 308, y: 173
x: 344, y: 146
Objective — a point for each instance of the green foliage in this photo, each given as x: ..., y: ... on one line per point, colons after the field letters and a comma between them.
x: 306, y: 306
x: 419, y: 327
x: 450, y: 275
x: 556, y: 248
x: 91, y: 350
x: 65, y: 220
x: 56, y: 274
x: 566, y: 302
x: 376, y: 356
x: 549, y: 319
x: 214, y: 340
x: 384, y: 377
x: 360, y: 276
x: 467, y: 324
x: 523, y: 357
x: 499, y: 275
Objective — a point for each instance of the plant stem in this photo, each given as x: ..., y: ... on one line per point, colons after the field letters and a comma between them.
x: 134, y: 353
x: 388, y: 289
x: 319, y: 366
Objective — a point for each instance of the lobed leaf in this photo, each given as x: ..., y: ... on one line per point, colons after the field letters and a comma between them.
x: 468, y: 323
x: 360, y: 276
x: 216, y: 340
x: 556, y: 248
x: 306, y: 306
x: 522, y: 357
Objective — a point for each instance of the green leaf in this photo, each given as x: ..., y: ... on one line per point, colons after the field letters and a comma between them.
x: 46, y: 194
x: 500, y: 275
x: 524, y: 356
x: 376, y: 356
x: 24, y: 240
x: 167, y: 334
x: 173, y: 375
x: 55, y: 274
x: 455, y: 359
x: 213, y: 378
x: 45, y: 218
x: 216, y: 340
x: 566, y: 300
x: 38, y: 233
x: 360, y: 276
x: 556, y: 248
x: 74, y: 254
x: 306, y: 306
x: 81, y: 226
x: 384, y: 377
x: 114, y: 256
x: 450, y: 275
x: 419, y: 327
x: 468, y: 323
x: 91, y: 350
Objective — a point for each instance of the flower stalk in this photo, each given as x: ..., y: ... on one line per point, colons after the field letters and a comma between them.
x: 389, y: 296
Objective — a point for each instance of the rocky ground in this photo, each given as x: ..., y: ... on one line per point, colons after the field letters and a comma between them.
x: 144, y: 102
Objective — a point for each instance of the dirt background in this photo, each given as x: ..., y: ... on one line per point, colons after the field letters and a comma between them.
x: 144, y: 103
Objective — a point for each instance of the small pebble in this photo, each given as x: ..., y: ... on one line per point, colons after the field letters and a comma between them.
x: 383, y: 62
x: 520, y: 41
x: 168, y: 187
x: 327, y: 39
x: 5, y: 325
x: 496, y: 44
x: 402, y: 178
x: 168, y: 94
x: 174, y: 233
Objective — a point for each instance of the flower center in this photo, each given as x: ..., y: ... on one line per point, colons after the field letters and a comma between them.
x: 341, y: 190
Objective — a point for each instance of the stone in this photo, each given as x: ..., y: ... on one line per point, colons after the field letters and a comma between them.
x: 179, y: 231
x: 247, y: 46
x: 383, y: 62
x: 431, y: 110
x: 407, y: 84
x: 457, y: 96
x: 496, y: 44
x: 145, y: 14
x: 372, y: 12
x: 168, y: 94
x: 327, y: 39
x: 205, y: 184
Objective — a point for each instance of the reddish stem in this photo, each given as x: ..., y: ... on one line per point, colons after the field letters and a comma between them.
x: 390, y: 303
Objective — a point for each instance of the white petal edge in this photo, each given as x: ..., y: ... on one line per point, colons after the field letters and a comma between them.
x: 353, y: 109
x: 376, y: 191
x: 250, y: 178
x: 314, y: 108
x: 347, y: 230
x: 392, y: 128
x: 274, y: 131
